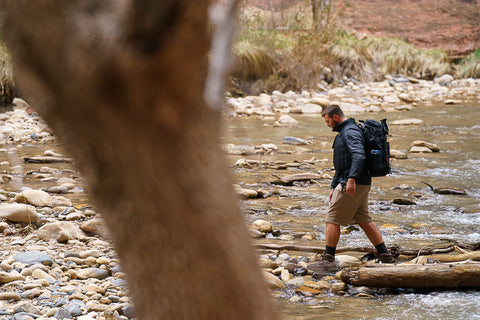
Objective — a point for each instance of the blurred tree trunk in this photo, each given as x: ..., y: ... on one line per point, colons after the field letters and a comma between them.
x: 321, y: 14
x: 272, y: 12
x: 121, y: 83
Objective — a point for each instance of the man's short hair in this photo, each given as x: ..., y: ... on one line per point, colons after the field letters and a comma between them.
x: 332, y: 110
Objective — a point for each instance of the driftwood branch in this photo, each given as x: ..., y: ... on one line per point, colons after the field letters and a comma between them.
x: 47, y: 159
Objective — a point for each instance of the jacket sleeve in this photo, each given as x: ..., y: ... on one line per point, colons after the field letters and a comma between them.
x: 335, y: 180
x: 354, y: 141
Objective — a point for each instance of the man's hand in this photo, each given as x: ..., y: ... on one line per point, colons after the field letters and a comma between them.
x: 351, y: 187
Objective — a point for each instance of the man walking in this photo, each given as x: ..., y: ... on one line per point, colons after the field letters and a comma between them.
x: 350, y: 187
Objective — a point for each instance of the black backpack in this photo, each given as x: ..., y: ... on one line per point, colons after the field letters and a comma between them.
x: 377, y: 148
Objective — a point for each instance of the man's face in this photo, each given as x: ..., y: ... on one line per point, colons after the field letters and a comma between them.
x: 331, y: 122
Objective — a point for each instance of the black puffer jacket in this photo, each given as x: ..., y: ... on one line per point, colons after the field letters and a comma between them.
x: 349, y: 154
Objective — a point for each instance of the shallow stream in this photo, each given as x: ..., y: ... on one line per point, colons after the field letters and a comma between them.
x: 297, y: 212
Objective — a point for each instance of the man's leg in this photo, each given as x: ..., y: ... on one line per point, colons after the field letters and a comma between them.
x: 372, y: 232
x: 375, y: 237
x: 332, y: 235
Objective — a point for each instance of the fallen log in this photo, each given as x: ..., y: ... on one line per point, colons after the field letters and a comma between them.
x: 47, y: 159
x: 474, y: 256
x: 464, y: 275
x: 288, y: 180
x: 396, y: 250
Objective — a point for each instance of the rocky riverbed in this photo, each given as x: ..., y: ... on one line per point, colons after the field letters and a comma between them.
x: 56, y: 261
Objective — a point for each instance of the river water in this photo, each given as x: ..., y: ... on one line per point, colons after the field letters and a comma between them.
x: 297, y: 212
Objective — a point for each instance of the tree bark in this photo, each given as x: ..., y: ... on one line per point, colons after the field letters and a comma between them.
x: 415, y: 276
x: 121, y: 84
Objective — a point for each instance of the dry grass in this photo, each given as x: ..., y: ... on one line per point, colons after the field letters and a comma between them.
x: 252, y: 61
x: 7, y: 83
x: 470, y: 66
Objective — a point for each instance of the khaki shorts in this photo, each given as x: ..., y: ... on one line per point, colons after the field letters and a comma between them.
x: 345, y: 210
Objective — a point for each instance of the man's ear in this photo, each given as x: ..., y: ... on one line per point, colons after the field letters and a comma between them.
x: 336, y: 118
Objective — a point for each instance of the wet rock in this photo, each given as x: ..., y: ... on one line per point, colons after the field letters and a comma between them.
x: 452, y: 101
x: 285, y: 275
x: 338, y: 287
x: 286, y: 120
x: 345, y: 261
x: 56, y: 189
x: 272, y: 281
x: 296, y: 282
x: 403, y: 201
x: 16, y: 212
x: 294, y: 141
x: 32, y: 257
x: 300, y: 271
x: 239, y: 150
x: 396, y: 154
x: 404, y: 107
x: 407, y: 122
x: 65, y: 180
x: 295, y: 299
x: 60, y: 231
x: 245, y: 193
x: 307, y: 291
x: 318, y: 285
x: 74, y: 216
x: 432, y: 146
x: 416, y: 149
x: 262, y: 226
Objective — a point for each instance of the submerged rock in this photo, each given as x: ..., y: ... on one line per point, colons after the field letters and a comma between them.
x: 295, y: 141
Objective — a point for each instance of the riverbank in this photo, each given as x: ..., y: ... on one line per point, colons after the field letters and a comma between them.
x: 394, y: 94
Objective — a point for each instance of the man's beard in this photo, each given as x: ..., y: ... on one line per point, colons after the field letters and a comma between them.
x: 335, y: 123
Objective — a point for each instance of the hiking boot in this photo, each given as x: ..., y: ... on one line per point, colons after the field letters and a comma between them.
x: 325, y: 266
x: 386, y: 258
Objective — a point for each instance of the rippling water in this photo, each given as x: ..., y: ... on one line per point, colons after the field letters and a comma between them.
x: 299, y: 210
